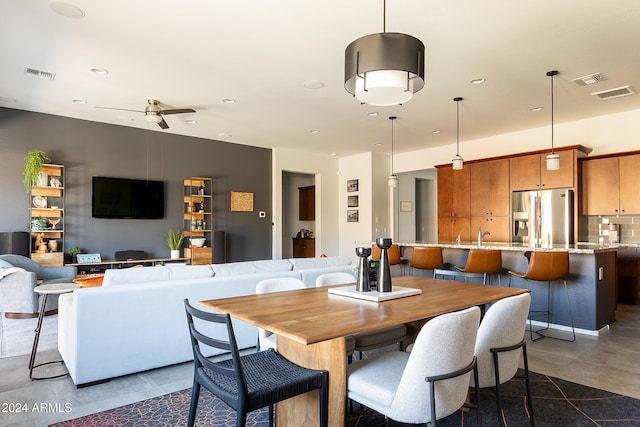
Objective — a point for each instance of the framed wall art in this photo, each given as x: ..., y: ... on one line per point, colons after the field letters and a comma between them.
x: 352, y: 201
x: 352, y: 185
x: 352, y: 215
x: 241, y: 201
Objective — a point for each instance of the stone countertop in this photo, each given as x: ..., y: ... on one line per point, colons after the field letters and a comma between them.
x: 578, y: 248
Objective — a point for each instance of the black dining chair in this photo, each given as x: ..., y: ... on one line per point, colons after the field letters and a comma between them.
x: 248, y: 382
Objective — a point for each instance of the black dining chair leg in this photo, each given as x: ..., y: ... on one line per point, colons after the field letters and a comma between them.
x: 195, y: 395
x: 324, y: 400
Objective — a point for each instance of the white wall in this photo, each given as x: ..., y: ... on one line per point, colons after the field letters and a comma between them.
x: 325, y: 169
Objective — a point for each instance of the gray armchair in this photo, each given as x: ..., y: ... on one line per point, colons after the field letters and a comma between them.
x: 16, y: 289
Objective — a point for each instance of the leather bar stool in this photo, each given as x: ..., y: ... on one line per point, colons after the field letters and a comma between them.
x: 547, y: 267
x: 393, y: 252
x: 483, y: 261
x: 426, y: 258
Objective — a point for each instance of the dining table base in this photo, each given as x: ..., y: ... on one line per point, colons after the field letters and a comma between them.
x: 304, y: 409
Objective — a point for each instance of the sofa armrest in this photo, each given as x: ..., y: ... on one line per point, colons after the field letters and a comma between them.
x: 16, y: 293
x: 67, y: 273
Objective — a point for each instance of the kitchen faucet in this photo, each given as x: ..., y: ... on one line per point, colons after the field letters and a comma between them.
x: 481, y: 235
x: 459, y: 234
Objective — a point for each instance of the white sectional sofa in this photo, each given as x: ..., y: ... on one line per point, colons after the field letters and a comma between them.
x: 136, y: 320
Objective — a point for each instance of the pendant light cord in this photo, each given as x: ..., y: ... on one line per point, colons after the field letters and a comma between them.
x: 392, y: 118
x: 458, y: 99
x: 384, y: 16
x: 551, y: 74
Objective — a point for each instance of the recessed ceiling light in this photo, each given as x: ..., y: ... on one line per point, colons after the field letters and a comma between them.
x: 372, y: 113
x: 66, y: 9
x: 224, y: 135
x: 314, y: 131
x: 5, y: 99
x: 100, y: 71
x: 79, y: 101
x: 313, y: 84
x: 229, y: 101
x: 478, y: 81
x: 435, y: 132
x: 378, y: 144
x: 334, y: 154
x: 192, y: 122
x: 535, y: 109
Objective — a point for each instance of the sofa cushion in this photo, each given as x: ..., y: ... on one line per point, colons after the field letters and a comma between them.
x: 5, y: 264
x: 135, y: 275
x: 177, y: 272
x: 306, y: 263
x: 251, y: 267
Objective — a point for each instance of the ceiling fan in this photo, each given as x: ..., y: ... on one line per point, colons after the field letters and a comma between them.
x: 153, y: 112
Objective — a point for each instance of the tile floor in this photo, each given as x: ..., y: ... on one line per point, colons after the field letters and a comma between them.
x: 608, y: 362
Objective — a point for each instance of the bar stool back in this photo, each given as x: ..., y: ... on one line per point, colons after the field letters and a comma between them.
x: 426, y: 258
x: 485, y: 261
x: 547, y: 267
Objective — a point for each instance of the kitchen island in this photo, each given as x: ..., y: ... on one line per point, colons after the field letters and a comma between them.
x: 591, y: 284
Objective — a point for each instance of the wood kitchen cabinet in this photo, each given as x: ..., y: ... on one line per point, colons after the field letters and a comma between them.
x: 304, y: 247
x: 454, y: 212
x: 530, y: 172
x: 307, y: 203
x: 609, y: 185
x: 490, y: 198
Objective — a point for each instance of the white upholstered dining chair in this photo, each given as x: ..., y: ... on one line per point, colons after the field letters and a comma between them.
x: 500, y: 344
x: 427, y: 384
x: 267, y: 339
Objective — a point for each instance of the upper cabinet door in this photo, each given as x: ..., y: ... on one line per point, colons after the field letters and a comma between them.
x: 629, y: 179
x: 490, y: 188
x: 600, y: 186
x: 524, y: 172
x: 561, y: 178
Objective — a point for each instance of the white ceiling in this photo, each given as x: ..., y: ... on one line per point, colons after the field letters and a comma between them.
x: 261, y: 52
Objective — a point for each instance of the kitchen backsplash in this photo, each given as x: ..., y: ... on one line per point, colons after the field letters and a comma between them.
x: 605, y: 228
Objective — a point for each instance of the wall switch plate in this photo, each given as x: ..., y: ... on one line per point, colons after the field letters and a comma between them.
x: 600, y: 273
x: 262, y: 214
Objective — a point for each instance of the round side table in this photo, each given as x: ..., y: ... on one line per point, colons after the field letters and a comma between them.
x: 45, y: 291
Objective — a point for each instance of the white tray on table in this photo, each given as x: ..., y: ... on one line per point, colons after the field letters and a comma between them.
x: 396, y: 292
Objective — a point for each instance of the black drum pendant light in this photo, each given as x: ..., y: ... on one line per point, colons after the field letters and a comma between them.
x: 457, y: 161
x: 553, y: 159
x: 384, y: 68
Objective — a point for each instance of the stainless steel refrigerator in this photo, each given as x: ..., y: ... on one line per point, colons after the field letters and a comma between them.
x: 542, y: 217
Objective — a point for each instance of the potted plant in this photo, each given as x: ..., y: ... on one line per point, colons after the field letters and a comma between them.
x: 73, y: 253
x: 175, y: 237
x: 32, y: 167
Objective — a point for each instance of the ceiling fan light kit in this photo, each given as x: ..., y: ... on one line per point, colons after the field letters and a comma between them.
x: 153, y: 113
x: 384, y: 69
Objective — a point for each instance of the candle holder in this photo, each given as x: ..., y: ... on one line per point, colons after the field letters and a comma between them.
x: 362, y: 281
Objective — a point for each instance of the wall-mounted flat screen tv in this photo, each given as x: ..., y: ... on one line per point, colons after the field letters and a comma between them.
x: 127, y: 198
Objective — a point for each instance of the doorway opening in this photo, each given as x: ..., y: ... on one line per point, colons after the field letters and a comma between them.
x: 298, y: 214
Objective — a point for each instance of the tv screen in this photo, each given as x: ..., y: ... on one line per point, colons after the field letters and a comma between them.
x: 127, y: 198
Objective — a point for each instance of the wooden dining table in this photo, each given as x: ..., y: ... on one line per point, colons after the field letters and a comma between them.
x: 311, y: 326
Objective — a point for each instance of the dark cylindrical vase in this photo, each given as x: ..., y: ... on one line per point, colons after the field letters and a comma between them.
x: 362, y: 281
x: 384, y: 270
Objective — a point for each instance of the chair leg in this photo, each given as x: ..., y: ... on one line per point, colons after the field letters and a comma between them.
x: 195, y: 395
x: 324, y: 400
x: 496, y: 372
x: 528, y: 385
x: 270, y: 415
x: 566, y: 291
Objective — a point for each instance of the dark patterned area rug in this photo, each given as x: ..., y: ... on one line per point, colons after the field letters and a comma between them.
x: 555, y: 403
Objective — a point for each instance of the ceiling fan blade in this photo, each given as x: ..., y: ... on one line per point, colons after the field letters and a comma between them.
x: 163, y: 124
x: 120, y: 109
x: 177, y: 111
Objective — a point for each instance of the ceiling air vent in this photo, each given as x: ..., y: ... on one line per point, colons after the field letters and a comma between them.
x: 40, y: 74
x: 614, y: 93
x: 589, y: 79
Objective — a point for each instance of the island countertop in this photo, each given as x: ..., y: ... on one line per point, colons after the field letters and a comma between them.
x: 585, y: 248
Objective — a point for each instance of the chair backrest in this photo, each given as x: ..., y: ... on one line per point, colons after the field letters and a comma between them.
x: 487, y: 261
x: 503, y: 325
x: 279, y: 284
x: 337, y: 278
x: 393, y: 252
x: 545, y: 266
x: 445, y: 344
x: 235, y: 373
x: 426, y: 257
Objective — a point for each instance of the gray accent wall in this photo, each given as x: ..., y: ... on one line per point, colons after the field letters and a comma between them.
x: 88, y: 149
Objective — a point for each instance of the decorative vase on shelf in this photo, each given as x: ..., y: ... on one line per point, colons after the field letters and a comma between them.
x: 175, y: 254
x: 53, y: 245
x: 43, y: 179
